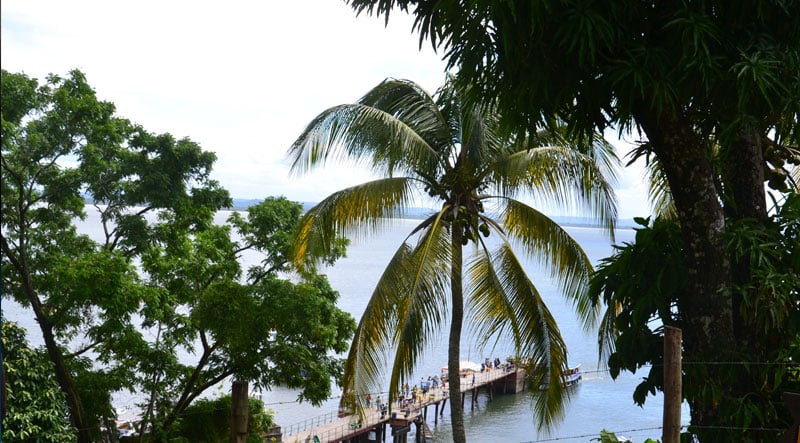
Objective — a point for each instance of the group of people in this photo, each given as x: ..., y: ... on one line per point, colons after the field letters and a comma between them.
x: 497, y: 364
x: 409, y: 395
x: 379, y: 405
x: 489, y: 364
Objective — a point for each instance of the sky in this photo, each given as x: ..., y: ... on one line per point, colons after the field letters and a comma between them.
x: 241, y: 78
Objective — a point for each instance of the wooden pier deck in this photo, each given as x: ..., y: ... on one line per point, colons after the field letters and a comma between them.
x: 397, y: 423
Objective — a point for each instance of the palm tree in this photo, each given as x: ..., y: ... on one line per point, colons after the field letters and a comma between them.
x: 452, y: 152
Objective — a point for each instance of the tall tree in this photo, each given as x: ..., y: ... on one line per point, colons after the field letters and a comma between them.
x: 642, y: 298
x: 158, y: 273
x: 687, y: 75
x: 225, y: 318
x: 79, y: 292
x: 450, y: 150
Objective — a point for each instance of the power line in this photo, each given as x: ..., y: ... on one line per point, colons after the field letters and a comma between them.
x: 595, y: 435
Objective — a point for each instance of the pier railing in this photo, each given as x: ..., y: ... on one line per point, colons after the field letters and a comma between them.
x: 311, y: 423
x: 332, y: 427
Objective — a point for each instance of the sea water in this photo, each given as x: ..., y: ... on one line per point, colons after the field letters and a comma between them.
x: 598, y: 402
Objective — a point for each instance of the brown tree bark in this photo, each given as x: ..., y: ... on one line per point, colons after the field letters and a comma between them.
x: 707, y: 317
x: 744, y: 167
x: 454, y: 342
x: 77, y: 415
x: 745, y: 198
x: 239, y: 411
x: 63, y: 375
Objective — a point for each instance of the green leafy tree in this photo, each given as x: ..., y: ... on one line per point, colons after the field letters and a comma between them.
x: 450, y: 150
x: 59, y: 141
x: 643, y: 298
x: 610, y: 437
x: 227, y: 320
x: 117, y: 309
x: 208, y: 421
x: 691, y: 77
x: 37, y: 410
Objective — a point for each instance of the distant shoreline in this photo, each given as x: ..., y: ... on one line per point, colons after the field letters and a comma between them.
x: 242, y: 204
x: 422, y: 213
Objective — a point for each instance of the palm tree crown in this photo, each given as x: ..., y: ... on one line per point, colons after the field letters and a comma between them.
x: 442, y: 148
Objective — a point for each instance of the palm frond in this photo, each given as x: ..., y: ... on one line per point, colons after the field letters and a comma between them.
x: 375, y: 333
x: 479, y: 139
x: 371, y: 204
x: 607, y: 332
x: 425, y: 311
x: 409, y: 103
x: 548, y: 243
x: 494, y: 318
x: 560, y: 176
x: 404, y: 312
x: 363, y: 135
x: 658, y: 191
x: 503, y: 297
x: 595, y: 146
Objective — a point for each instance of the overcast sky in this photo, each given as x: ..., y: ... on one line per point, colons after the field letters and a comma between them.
x: 241, y: 78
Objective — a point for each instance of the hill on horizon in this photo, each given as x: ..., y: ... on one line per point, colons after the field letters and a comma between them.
x: 240, y: 204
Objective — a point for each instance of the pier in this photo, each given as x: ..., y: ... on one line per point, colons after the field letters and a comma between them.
x: 396, y: 423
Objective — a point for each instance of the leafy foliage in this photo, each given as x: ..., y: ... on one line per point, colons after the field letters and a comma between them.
x: 228, y: 317
x: 610, y: 437
x: 117, y: 308
x: 208, y: 421
x: 451, y: 151
x: 598, y: 62
x: 643, y: 297
x: 697, y: 81
x: 36, y: 407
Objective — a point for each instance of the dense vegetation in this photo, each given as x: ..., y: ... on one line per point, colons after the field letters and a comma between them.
x: 161, y: 280
x: 37, y: 407
x: 449, y: 151
x: 712, y: 88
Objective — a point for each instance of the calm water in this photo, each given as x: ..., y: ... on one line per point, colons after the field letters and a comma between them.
x: 597, y: 403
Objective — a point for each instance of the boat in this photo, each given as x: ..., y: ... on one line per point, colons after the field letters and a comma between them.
x: 571, y: 377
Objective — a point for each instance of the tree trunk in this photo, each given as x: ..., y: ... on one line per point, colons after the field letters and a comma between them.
x: 77, y: 415
x: 454, y: 343
x: 239, y: 411
x: 746, y: 199
x: 707, y: 317
x: 744, y: 165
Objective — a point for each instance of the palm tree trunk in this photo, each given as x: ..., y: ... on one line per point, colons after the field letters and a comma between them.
x: 454, y: 343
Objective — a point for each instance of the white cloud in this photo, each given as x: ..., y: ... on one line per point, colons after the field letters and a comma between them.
x: 242, y: 78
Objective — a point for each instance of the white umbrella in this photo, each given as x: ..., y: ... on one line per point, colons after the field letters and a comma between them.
x: 467, y: 365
